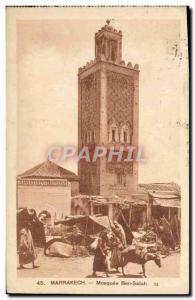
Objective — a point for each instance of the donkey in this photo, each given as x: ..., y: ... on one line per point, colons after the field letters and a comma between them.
x: 139, y: 257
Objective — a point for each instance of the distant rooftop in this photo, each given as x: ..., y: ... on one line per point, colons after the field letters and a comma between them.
x: 161, y: 187
x: 48, y: 170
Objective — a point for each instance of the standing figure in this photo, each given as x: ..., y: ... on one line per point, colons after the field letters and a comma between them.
x: 26, y: 248
x: 166, y: 234
x: 116, y: 250
x: 100, y: 263
x: 38, y: 230
x: 175, y: 229
x: 120, y: 233
x: 76, y: 236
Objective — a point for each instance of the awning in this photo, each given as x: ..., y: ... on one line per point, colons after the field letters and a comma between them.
x: 72, y: 220
x: 164, y: 196
x: 166, y: 202
x: 102, y: 220
x: 87, y: 224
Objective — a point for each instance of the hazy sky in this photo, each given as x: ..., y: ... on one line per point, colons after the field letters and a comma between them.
x: 49, y: 53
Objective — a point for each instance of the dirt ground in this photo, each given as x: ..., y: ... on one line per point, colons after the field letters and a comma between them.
x: 81, y: 267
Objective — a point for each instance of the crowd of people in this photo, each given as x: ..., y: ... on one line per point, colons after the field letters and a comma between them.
x: 107, y: 247
x: 163, y: 234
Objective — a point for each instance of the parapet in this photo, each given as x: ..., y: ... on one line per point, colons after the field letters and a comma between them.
x: 122, y: 63
x: 108, y: 28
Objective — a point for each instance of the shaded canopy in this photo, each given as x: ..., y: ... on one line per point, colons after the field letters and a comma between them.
x: 87, y: 224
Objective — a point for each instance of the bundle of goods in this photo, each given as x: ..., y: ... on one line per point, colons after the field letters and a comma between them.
x: 149, y: 237
x: 63, y: 248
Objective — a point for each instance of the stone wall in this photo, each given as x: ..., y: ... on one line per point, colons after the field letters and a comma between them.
x: 74, y: 188
x: 55, y: 199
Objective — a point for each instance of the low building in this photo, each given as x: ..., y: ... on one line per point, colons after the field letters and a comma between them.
x: 135, y: 211
x: 165, y: 199
x: 152, y: 201
x: 48, y: 187
x: 96, y: 205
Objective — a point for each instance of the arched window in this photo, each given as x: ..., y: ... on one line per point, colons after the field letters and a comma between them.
x: 121, y: 178
x: 124, y: 135
x: 89, y: 136
x: 113, y: 133
x: 86, y: 138
x: 93, y: 136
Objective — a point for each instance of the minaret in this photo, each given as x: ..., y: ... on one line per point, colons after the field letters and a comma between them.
x: 108, y: 115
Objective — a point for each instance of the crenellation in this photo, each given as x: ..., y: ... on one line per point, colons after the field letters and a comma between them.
x: 122, y: 63
x: 88, y: 64
x: 129, y: 65
x: 136, y: 67
x: 108, y: 29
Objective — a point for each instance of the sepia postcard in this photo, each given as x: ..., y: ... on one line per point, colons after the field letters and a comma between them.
x: 97, y: 150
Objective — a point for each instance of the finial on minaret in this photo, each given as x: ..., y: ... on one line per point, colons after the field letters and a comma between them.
x: 108, y: 21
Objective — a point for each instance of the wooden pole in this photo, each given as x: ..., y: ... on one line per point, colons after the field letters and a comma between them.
x: 130, y: 211
x: 169, y: 216
x: 146, y: 216
x: 129, y: 229
x: 86, y: 228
